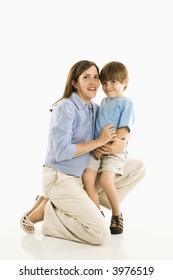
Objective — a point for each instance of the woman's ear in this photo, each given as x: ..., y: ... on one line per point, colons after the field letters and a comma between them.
x: 74, y: 84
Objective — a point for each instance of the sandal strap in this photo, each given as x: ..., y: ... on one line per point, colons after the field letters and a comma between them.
x: 26, y: 221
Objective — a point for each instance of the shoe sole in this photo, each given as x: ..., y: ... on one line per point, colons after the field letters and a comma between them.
x: 116, y: 230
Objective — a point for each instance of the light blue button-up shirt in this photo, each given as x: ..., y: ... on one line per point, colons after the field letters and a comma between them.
x: 72, y: 122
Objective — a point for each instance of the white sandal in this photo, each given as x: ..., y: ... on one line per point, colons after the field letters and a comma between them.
x: 25, y: 221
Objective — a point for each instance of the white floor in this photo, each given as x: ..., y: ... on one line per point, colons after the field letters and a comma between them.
x: 148, y: 230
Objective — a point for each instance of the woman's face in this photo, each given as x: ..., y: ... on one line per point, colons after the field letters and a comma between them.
x: 88, y: 84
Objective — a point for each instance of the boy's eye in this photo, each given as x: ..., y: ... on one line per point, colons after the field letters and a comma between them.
x: 104, y: 83
x: 97, y: 77
x: 114, y: 81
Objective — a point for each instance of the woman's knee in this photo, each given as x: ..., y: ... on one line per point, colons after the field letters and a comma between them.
x: 106, y: 235
x: 101, y: 235
x: 140, y: 167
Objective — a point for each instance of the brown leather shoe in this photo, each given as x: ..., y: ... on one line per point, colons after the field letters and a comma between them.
x: 116, y: 226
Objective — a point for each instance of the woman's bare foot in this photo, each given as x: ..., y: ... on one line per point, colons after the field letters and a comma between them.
x: 35, y: 216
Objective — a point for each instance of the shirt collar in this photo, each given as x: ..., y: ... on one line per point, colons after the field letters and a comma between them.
x: 79, y: 102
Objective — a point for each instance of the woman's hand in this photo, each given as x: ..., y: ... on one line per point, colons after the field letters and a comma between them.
x: 107, y: 134
x: 116, y: 146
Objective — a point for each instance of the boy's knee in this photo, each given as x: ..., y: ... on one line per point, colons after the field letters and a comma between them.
x: 105, y: 181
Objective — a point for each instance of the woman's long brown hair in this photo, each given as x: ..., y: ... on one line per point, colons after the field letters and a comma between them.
x: 73, y: 75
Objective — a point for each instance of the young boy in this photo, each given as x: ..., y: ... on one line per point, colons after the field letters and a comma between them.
x: 118, y: 110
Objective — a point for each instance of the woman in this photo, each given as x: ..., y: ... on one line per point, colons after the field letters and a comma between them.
x: 66, y: 210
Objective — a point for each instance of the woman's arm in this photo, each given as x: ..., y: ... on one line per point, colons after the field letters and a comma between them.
x: 107, y: 134
x: 62, y: 132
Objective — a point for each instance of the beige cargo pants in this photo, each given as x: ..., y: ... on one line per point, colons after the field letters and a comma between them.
x: 70, y: 214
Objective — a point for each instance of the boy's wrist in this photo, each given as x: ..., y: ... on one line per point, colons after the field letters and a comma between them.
x: 125, y: 140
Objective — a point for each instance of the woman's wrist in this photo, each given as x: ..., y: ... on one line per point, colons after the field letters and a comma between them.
x: 98, y: 143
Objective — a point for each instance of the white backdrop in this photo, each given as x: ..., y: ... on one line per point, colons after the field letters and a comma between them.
x: 40, y: 41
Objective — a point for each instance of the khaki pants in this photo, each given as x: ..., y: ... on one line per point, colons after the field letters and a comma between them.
x: 70, y: 214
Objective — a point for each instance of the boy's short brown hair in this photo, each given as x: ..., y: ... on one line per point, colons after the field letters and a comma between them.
x: 114, y: 71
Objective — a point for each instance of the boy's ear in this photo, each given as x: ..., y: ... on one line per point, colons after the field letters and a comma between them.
x: 126, y: 82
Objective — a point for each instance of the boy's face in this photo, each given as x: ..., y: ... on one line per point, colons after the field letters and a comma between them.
x: 114, y: 88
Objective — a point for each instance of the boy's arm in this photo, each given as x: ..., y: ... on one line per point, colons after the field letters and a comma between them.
x: 123, y: 133
x: 115, y: 146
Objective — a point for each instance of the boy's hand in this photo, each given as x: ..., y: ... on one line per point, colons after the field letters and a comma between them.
x: 112, y: 148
